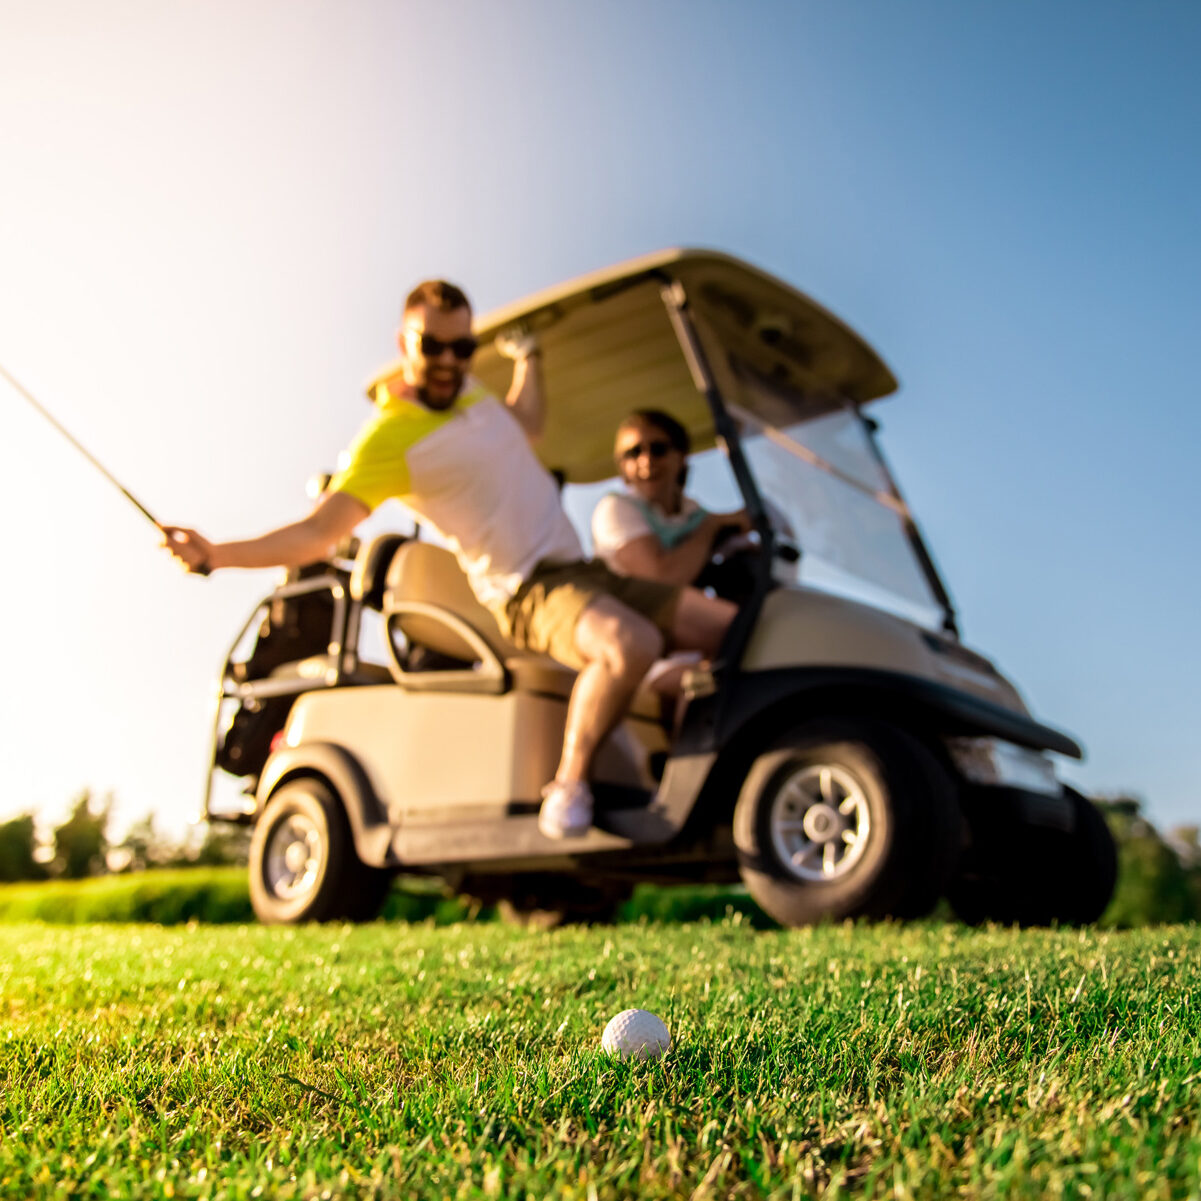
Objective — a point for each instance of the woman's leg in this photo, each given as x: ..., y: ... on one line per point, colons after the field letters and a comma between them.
x: 701, y: 622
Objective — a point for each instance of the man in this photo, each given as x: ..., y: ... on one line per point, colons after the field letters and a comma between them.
x: 461, y: 460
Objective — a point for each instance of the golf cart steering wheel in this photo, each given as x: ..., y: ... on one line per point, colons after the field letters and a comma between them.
x: 732, y: 568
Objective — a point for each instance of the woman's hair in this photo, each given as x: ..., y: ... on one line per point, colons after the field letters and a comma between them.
x: 671, y: 429
x: 677, y: 435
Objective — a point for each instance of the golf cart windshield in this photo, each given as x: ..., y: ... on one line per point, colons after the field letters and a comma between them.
x: 823, y: 484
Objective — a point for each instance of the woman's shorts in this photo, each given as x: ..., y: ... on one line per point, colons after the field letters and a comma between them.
x: 542, y: 616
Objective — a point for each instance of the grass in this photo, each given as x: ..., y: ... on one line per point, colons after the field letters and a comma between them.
x: 164, y: 896
x: 221, y: 894
x: 427, y: 1062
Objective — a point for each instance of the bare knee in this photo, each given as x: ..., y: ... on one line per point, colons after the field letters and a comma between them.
x: 626, y: 642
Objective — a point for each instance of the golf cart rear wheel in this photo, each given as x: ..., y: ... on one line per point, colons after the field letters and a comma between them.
x: 303, y: 865
x: 1034, y: 876
x: 844, y: 819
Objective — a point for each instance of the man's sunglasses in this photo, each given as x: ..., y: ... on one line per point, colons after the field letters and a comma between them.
x: 433, y: 348
x: 656, y: 450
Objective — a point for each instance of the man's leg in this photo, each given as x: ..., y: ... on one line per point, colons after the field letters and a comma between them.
x: 618, y: 647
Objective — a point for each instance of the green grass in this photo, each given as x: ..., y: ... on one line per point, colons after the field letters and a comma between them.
x: 422, y: 1061
x: 164, y: 896
x: 221, y: 894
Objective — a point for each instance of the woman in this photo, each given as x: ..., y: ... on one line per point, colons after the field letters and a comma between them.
x: 653, y: 530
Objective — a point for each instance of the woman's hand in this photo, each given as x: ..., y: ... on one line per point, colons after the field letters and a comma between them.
x: 740, y: 519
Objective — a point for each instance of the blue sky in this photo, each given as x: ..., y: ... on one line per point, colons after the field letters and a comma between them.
x: 210, y: 213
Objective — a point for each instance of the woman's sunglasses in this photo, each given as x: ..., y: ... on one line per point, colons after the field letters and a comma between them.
x: 656, y: 450
x: 433, y: 348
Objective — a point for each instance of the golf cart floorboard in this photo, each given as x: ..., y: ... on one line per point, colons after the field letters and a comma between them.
x: 515, y: 838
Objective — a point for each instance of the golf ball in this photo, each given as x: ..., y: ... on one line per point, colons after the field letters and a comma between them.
x: 637, y: 1033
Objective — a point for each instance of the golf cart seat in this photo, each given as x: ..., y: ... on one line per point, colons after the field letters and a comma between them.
x: 427, y: 599
x: 367, y: 579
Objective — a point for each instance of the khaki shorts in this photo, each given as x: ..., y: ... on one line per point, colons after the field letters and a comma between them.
x: 542, y: 616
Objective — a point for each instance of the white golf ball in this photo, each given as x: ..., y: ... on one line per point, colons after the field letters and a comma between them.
x: 637, y: 1033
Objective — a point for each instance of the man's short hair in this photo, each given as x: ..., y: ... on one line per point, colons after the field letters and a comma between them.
x: 437, y: 294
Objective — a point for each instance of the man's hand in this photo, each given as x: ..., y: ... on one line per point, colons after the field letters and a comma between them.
x: 516, y: 344
x: 525, y: 399
x: 307, y: 541
x: 192, y: 551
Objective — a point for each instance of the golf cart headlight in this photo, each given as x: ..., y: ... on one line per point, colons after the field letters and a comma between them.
x: 1004, y: 765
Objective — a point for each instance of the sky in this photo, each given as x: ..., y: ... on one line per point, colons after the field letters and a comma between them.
x: 209, y: 214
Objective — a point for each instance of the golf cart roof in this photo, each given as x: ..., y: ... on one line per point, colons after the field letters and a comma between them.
x: 608, y: 346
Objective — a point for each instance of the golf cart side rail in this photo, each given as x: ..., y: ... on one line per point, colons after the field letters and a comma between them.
x: 946, y: 708
x: 342, y: 634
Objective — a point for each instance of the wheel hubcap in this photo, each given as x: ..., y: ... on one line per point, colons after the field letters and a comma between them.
x: 820, y: 823
x: 293, y: 857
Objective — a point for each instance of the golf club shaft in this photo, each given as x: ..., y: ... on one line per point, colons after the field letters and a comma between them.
x: 108, y: 475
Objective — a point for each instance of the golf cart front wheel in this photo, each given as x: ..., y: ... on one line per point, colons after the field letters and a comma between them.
x: 844, y: 819
x: 303, y: 865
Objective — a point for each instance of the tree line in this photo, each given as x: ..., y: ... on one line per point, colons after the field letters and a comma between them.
x: 83, y: 846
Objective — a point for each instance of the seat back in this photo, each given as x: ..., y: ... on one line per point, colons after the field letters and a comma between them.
x: 422, y: 580
x: 368, y: 579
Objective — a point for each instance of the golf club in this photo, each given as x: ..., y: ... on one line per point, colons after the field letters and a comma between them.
x: 91, y: 458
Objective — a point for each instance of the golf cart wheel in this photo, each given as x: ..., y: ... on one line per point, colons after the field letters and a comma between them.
x: 1093, y: 875
x: 845, y: 819
x: 303, y: 865
x: 1038, y: 876
x: 939, y: 826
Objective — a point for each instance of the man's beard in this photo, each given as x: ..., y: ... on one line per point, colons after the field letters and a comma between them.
x: 441, y: 401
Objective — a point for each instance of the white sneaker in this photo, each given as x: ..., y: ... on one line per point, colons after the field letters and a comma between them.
x: 566, y: 810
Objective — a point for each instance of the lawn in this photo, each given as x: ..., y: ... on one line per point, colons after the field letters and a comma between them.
x: 462, y: 1061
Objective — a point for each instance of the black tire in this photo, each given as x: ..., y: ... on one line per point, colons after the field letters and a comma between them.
x: 880, y: 785
x: 1093, y: 876
x: 939, y: 826
x: 1034, y: 876
x: 303, y: 865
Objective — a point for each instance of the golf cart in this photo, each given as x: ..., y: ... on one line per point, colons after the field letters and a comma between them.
x: 845, y: 756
